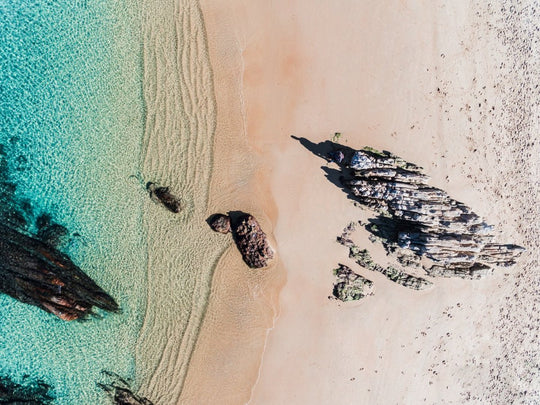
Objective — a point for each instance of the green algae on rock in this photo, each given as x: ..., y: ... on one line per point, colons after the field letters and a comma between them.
x: 350, y: 286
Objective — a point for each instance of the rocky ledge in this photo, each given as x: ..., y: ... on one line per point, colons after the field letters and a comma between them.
x: 350, y: 286
x: 363, y: 258
x: 35, y: 272
x: 416, y: 217
x: 418, y: 224
x: 248, y: 235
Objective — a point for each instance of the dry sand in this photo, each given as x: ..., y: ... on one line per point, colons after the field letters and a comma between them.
x: 440, y: 84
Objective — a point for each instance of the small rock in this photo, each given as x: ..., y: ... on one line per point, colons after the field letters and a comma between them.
x: 336, y: 156
x: 220, y: 223
x: 350, y: 286
x: 163, y: 195
x: 120, y: 392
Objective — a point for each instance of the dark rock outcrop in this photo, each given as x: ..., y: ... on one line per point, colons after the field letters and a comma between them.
x: 248, y: 235
x: 36, y: 273
x: 32, y: 267
x: 120, y: 391
x: 163, y: 196
x: 28, y: 393
x: 350, y: 286
x: 252, y: 242
x: 220, y: 223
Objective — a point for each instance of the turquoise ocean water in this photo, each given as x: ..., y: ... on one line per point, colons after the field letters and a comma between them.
x: 71, y: 123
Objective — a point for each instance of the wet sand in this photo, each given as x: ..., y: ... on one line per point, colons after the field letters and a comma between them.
x: 434, y: 84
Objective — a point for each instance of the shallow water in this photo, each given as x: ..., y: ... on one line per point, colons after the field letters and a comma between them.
x: 72, y: 123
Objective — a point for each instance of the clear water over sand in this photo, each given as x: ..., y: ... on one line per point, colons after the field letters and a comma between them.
x: 71, y: 122
x: 97, y: 99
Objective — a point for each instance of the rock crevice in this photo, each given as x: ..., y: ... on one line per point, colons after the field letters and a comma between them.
x: 422, y: 218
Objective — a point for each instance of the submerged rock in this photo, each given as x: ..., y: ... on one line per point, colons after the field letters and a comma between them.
x: 252, y: 242
x: 29, y: 392
x: 120, y: 391
x: 51, y: 233
x: 36, y: 273
x: 350, y: 286
x: 163, y: 196
x: 220, y: 223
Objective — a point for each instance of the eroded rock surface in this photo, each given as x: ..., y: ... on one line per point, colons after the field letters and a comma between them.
x: 363, y: 258
x: 423, y: 219
x: 252, y: 242
x: 350, y: 286
x: 419, y: 225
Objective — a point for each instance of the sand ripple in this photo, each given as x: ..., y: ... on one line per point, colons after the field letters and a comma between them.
x: 177, y: 151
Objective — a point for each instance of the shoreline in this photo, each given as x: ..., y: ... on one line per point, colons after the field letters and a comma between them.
x: 243, y: 302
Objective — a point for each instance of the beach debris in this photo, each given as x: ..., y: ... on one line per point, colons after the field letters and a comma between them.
x: 350, y: 286
x: 220, y: 223
x: 163, y: 196
x: 29, y: 392
x: 248, y: 235
x: 120, y: 392
x: 35, y: 272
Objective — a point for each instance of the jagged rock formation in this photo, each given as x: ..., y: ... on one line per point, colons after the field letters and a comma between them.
x: 120, y: 391
x: 32, y: 268
x: 28, y: 393
x: 163, y: 196
x: 423, y: 219
x: 220, y: 223
x: 250, y: 239
x: 36, y: 273
x: 350, y: 286
x: 252, y: 242
x: 363, y: 258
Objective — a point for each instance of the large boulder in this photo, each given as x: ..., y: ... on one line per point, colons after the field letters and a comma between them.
x: 252, y: 242
x: 423, y: 219
x: 119, y: 390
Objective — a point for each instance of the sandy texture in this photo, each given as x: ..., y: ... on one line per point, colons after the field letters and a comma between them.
x: 447, y: 86
x: 177, y: 152
x: 243, y: 301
